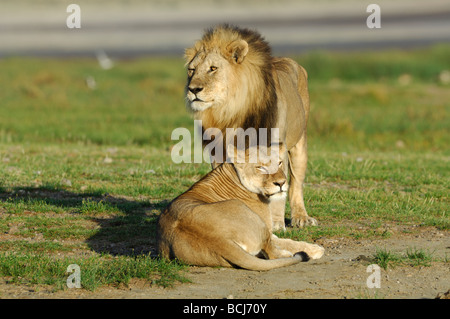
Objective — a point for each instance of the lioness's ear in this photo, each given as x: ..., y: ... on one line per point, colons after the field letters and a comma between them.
x: 237, y: 50
x: 231, y: 153
x: 234, y: 154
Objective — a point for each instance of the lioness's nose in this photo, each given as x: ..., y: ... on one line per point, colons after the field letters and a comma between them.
x: 279, y: 183
x: 195, y: 90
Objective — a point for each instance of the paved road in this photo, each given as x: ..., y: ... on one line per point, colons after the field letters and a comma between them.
x: 127, y: 31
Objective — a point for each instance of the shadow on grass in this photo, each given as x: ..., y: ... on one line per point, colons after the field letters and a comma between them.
x: 127, y: 227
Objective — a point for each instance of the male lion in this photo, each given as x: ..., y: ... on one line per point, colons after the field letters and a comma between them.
x: 234, y: 82
x: 224, y: 220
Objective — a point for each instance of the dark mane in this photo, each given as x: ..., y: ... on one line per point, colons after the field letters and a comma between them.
x: 262, y: 110
x: 265, y: 114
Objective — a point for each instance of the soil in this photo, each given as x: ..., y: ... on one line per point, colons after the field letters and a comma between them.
x: 341, y: 273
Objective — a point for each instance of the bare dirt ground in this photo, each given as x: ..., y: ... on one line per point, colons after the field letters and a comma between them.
x: 340, y: 273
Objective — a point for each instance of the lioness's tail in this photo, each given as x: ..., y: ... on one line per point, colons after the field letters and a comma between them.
x: 239, y: 257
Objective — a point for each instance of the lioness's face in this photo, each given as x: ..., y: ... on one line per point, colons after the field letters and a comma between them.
x: 207, y: 78
x: 265, y: 176
x: 256, y: 178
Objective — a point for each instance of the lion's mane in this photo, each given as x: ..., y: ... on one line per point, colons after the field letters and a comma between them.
x: 253, y: 102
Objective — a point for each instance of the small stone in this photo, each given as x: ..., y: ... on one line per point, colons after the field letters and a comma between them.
x: 400, y: 144
x: 66, y: 182
x: 405, y: 79
x: 90, y: 83
x: 444, y: 77
x: 108, y: 160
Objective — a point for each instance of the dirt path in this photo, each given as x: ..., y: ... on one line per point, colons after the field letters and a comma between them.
x: 341, y: 273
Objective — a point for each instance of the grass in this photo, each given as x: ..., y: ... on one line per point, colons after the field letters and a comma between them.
x: 412, y: 257
x: 95, y: 271
x: 85, y: 172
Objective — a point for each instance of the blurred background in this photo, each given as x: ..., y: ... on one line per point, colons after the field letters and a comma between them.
x: 129, y: 28
x: 93, y: 84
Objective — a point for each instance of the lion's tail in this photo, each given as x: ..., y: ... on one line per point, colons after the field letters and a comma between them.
x: 239, y: 257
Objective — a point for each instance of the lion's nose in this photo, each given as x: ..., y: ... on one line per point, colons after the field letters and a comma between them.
x: 195, y: 90
x: 279, y: 183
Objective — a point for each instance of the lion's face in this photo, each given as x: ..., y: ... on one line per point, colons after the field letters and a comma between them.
x: 207, y: 78
x: 265, y: 176
x: 210, y: 71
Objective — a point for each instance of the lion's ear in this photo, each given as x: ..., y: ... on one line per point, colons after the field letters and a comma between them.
x: 237, y: 50
x: 189, y: 54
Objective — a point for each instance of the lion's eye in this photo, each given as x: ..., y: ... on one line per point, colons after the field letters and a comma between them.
x: 191, y: 71
x: 213, y: 68
x: 280, y: 163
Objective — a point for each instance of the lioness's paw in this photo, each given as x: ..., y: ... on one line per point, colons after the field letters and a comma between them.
x: 315, y: 251
x: 303, y: 221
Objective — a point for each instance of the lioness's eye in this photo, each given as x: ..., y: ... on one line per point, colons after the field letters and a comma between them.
x: 262, y: 169
x: 213, y: 68
x: 279, y: 164
x: 191, y: 71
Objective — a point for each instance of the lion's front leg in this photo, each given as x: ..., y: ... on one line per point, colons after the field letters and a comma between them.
x: 277, y: 208
x: 297, y: 166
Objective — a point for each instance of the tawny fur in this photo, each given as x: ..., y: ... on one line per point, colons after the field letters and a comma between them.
x: 220, y: 222
x: 235, y: 82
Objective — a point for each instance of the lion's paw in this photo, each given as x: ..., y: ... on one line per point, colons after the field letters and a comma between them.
x: 278, y: 225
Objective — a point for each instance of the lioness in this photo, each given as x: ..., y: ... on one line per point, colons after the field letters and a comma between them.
x: 235, y: 82
x: 224, y: 220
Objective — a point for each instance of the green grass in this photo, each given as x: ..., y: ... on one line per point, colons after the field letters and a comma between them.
x: 95, y: 271
x: 85, y: 172
x: 412, y: 257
